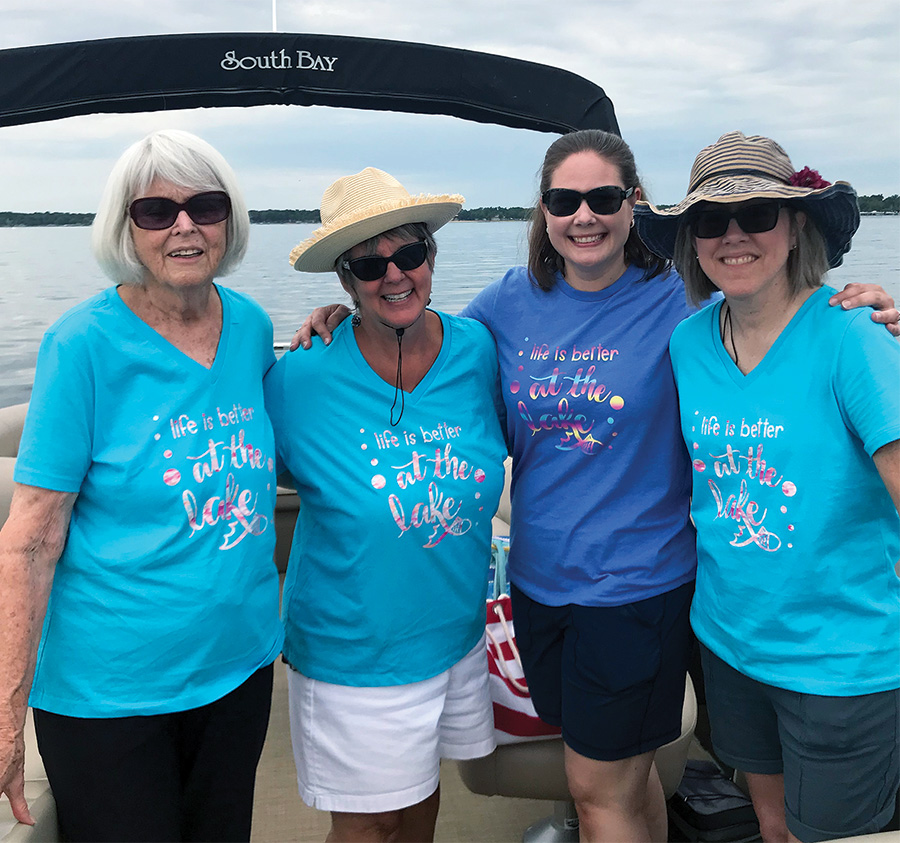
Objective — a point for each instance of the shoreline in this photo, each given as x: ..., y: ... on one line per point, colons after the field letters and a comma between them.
x: 63, y: 219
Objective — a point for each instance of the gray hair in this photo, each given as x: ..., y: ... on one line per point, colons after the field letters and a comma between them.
x: 807, y: 262
x: 182, y: 159
x: 410, y: 231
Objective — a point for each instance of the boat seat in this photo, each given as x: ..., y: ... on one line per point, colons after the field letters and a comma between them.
x: 37, y: 789
x: 12, y: 419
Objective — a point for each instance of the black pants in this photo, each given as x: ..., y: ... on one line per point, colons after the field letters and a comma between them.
x: 185, y: 776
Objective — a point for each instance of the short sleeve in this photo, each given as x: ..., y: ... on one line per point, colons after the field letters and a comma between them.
x: 57, y: 440
x: 491, y: 369
x: 867, y: 382
x: 267, y: 338
x: 675, y: 346
x: 683, y: 337
x: 273, y: 388
x: 482, y: 306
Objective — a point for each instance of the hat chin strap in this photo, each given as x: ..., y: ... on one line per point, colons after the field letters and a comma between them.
x: 398, y: 383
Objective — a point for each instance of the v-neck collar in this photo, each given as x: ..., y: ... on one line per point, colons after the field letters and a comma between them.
x: 740, y: 379
x: 176, y: 354
x: 374, y: 379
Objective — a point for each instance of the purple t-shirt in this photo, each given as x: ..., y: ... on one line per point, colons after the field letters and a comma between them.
x: 601, y: 477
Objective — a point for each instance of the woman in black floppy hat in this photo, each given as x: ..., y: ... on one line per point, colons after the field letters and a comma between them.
x: 790, y: 411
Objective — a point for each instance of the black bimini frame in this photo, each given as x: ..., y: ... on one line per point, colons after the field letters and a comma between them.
x: 159, y: 73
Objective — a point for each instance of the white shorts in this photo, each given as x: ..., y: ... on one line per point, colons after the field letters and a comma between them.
x: 368, y: 750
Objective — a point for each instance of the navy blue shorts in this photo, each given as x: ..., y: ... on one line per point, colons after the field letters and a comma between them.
x: 839, y: 755
x: 611, y: 676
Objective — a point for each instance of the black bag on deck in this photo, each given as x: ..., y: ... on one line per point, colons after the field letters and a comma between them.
x: 708, y: 806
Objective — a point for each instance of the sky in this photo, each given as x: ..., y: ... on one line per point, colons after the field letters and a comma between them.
x: 822, y: 77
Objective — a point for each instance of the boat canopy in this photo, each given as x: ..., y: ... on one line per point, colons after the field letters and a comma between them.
x: 158, y: 73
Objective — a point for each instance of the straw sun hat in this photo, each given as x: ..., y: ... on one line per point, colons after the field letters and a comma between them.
x: 737, y: 168
x: 357, y: 207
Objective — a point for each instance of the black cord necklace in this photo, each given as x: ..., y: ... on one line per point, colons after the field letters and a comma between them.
x: 398, y: 383
x: 727, y: 320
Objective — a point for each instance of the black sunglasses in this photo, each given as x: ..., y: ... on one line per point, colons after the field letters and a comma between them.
x: 753, y: 219
x: 374, y: 267
x: 563, y: 202
x: 155, y: 213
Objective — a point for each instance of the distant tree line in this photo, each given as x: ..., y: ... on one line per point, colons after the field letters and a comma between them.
x: 277, y: 217
x: 879, y: 204
x: 10, y: 219
x: 876, y: 204
x: 494, y: 213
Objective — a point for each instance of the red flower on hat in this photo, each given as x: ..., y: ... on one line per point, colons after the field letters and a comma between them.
x: 809, y: 178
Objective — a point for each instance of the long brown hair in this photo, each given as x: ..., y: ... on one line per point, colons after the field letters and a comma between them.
x: 543, y: 260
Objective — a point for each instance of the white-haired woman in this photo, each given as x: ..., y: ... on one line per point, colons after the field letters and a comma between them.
x: 138, y: 594
x: 790, y: 411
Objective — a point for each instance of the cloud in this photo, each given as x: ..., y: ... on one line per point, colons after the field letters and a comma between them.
x: 820, y: 76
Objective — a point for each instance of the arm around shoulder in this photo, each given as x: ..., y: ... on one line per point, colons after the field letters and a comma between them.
x: 321, y: 322
x: 870, y: 295
x: 31, y: 542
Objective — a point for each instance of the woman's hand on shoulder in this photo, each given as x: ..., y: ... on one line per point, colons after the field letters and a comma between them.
x: 870, y: 295
x: 322, y: 321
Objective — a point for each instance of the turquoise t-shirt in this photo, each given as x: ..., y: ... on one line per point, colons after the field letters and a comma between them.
x: 165, y: 597
x: 388, y: 566
x: 797, y: 535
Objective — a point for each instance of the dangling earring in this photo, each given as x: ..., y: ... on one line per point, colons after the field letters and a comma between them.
x: 632, y: 222
x: 356, y: 320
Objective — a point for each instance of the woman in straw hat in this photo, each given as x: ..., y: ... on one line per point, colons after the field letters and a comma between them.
x: 393, y: 441
x: 602, y: 551
x: 790, y: 411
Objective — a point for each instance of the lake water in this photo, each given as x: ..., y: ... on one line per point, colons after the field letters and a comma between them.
x: 45, y: 271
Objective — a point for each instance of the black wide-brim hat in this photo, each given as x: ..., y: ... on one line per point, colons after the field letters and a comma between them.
x: 737, y: 168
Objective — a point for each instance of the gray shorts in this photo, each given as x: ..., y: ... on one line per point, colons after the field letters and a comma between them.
x: 839, y: 755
